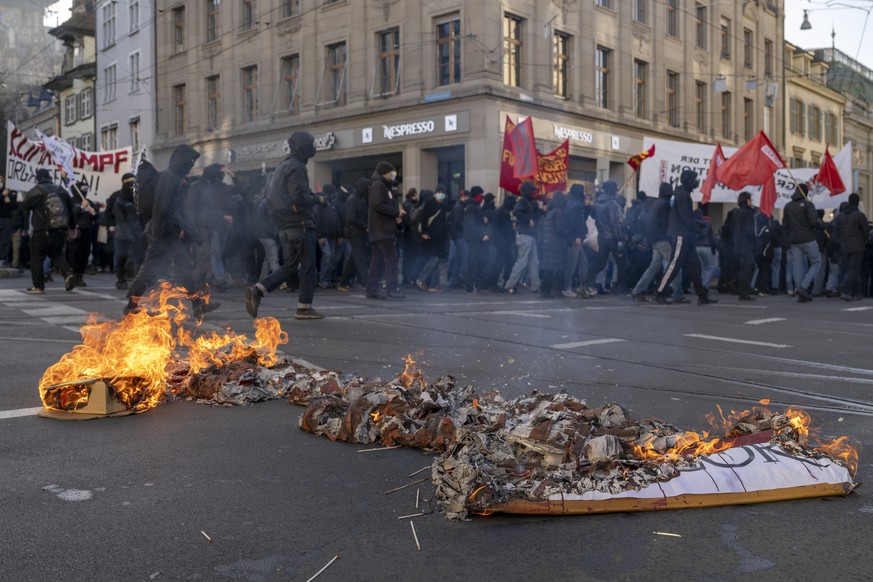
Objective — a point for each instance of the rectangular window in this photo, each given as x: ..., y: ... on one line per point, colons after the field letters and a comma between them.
x: 673, y: 18
x: 109, y: 137
x: 792, y: 116
x: 748, y: 48
x: 178, y: 29
x: 249, y: 14
x: 107, y: 15
x: 291, y: 82
x: 641, y: 73
x: 179, y: 109
x: 109, y: 77
x: 673, y: 99
x: 135, y: 135
x: 768, y: 58
x: 700, y: 107
x: 70, y: 110
x: 814, y: 123
x: 601, y: 77
x: 561, y: 64
x: 725, y: 38
x: 700, y: 25
x: 213, y: 101
x: 86, y: 108
x: 833, y: 129
x: 336, y: 72
x: 134, y: 72
x: 604, y: 3
x: 290, y: 8
x: 86, y: 142
x: 133, y: 15
x: 449, y: 52
x: 512, y: 30
x: 748, y: 119
x: 250, y: 93
x: 212, y: 19
x: 726, y: 115
x: 640, y: 11
x: 389, y: 62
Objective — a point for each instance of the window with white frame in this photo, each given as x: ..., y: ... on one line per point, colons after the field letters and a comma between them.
x: 86, y: 142
x: 249, y: 14
x: 135, y: 134
x: 133, y: 15
x: 290, y: 8
x: 86, y: 105
x: 291, y: 82
x: 389, y: 61
x: 109, y: 78
x: 107, y: 17
x: 109, y: 137
x: 134, y: 72
x: 70, y: 110
x: 250, y: 92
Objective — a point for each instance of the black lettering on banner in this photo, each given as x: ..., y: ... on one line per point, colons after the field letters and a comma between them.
x: 731, y: 465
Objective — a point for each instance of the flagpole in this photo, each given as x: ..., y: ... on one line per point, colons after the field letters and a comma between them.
x: 626, y: 182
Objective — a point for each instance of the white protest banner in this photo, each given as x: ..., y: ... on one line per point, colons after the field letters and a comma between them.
x: 673, y: 157
x: 101, y: 170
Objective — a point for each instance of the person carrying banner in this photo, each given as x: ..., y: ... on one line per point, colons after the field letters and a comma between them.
x: 681, y: 231
x: 50, y: 210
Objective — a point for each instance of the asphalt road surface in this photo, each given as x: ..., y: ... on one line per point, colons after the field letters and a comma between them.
x: 131, y: 498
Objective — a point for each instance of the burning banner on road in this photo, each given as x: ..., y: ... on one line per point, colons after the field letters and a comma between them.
x: 552, y: 454
x: 133, y: 359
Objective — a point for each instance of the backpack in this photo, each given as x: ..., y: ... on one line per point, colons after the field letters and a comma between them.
x: 56, y: 215
x: 146, y: 185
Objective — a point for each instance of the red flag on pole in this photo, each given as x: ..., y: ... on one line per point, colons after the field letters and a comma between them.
x: 636, y: 161
x: 753, y: 165
x: 524, y: 148
x: 768, y: 196
x: 828, y: 175
x: 508, y: 181
x: 712, y: 174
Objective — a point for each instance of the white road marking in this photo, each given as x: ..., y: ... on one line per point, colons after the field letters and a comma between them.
x: 4, y: 414
x: 522, y: 314
x: 763, y: 321
x: 858, y: 309
x: 573, y: 345
x: 736, y: 341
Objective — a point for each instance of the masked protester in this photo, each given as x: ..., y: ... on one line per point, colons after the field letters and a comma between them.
x: 357, y: 210
x: 291, y: 201
x: 167, y: 231
x: 852, y: 231
x: 745, y: 244
x: 85, y: 221
x: 382, y: 222
x: 434, y: 227
x: 802, y: 225
x: 205, y: 221
x: 49, y: 235
x: 526, y: 214
x: 129, y: 246
x: 8, y: 210
x: 681, y: 230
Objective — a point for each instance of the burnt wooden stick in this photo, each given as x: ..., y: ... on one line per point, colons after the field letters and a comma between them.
x: 405, y: 486
x: 335, y: 558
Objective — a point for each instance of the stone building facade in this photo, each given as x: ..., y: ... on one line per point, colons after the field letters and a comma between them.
x: 428, y: 85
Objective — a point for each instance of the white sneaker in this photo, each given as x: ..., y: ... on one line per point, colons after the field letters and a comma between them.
x: 568, y: 294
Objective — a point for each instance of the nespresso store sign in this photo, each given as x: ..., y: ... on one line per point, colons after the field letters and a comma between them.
x: 416, y: 128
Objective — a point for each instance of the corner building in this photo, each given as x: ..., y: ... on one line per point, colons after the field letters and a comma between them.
x: 428, y: 85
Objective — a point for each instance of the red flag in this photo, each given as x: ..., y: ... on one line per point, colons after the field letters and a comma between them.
x: 752, y: 165
x: 768, y: 196
x: 554, y: 167
x: 712, y: 174
x: 829, y: 177
x: 524, y: 148
x: 508, y: 181
x: 637, y: 160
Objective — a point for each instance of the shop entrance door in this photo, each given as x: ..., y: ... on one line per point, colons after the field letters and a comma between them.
x: 451, y: 170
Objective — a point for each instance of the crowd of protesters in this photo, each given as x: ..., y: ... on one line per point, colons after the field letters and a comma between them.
x: 266, y: 233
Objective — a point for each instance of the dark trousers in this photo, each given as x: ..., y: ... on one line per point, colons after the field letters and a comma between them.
x: 298, y: 252
x: 551, y: 281
x: 166, y: 258
x: 607, y: 247
x: 477, y: 265
x: 382, y: 259
x: 6, y: 227
x: 745, y: 271
x: 851, y: 266
x: 79, y: 249
x: 411, y: 251
x: 47, y: 244
x: 128, y: 256
x: 684, y: 258
x: 503, y: 262
x: 765, y: 268
x: 360, y: 262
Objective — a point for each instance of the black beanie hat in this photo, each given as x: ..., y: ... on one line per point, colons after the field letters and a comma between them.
x: 854, y: 200
x: 43, y: 175
x: 384, y: 167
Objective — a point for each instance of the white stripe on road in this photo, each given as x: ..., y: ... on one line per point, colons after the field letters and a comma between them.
x: 763, y: 321
x: 4, y: 414
x: 573, y: 345
x: 858, y: 309
x: 736, y: 341
x: 522, y: 314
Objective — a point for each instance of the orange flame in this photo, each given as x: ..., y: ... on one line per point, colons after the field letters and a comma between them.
x: 840, y: 450
x: 376, y: 416
x: 411, y: 372
x: 764, y: 401
x: 133, y: 354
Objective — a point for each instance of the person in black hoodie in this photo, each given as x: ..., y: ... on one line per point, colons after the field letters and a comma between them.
x: 357, y: 211
x: 853, y: 231
x: 8, y: 210
x: 745, y: 244
x: 610, y: 237
x: 557, y: 238
x: 85, y: 219
x: 205, y: 218
x: 458, y: 252
x: 434, y: 239
x: 503, y: 241
x: 802, y: 224
x: 382, y: 222
x: 168, y: 228
x: 291, y: 203
x: 526, y: 215
x: 329, y: 232
x: 577, y: 212
x: 655, y: 228
x: 477, y: 237
x: 128, y: 234
x: 681, y: 229
x: 46, y: 241
x: 410, y: 237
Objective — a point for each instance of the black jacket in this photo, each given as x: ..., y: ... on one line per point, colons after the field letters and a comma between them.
x: 474, y: 224
x: 434, y: 224
x: 658, y: 217
x: 800, y: 220
x: 357, y: 208
x: 501, y: 227
x: 289, y: 198
x: 742, y: 230
x: 852, y: 230
x: 34, y: 202
x: 168, y: 212
x: 576, y: 215
x: 456, y: 221
x: 124, y: 216
x: 524, y: 214
x: 381, y: 223
x: 682, y: 215
x: 556, y: 235
x: 204, y: 214
x: 8, y: 209
x: 329, y: 223
x: 608, y: 218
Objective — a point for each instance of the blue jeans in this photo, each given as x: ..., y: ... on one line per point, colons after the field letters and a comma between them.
x: 527, y: 259
x: 577, y: 262
x: 216, y: 258
x: 329, y: 259
x: 661, y: 252
x: 805, y: 263
x: 457, y: 260
x: 708, y: 265
x: 776, y: 268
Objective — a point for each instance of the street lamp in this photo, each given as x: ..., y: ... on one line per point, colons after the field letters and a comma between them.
x: 805, y: 25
